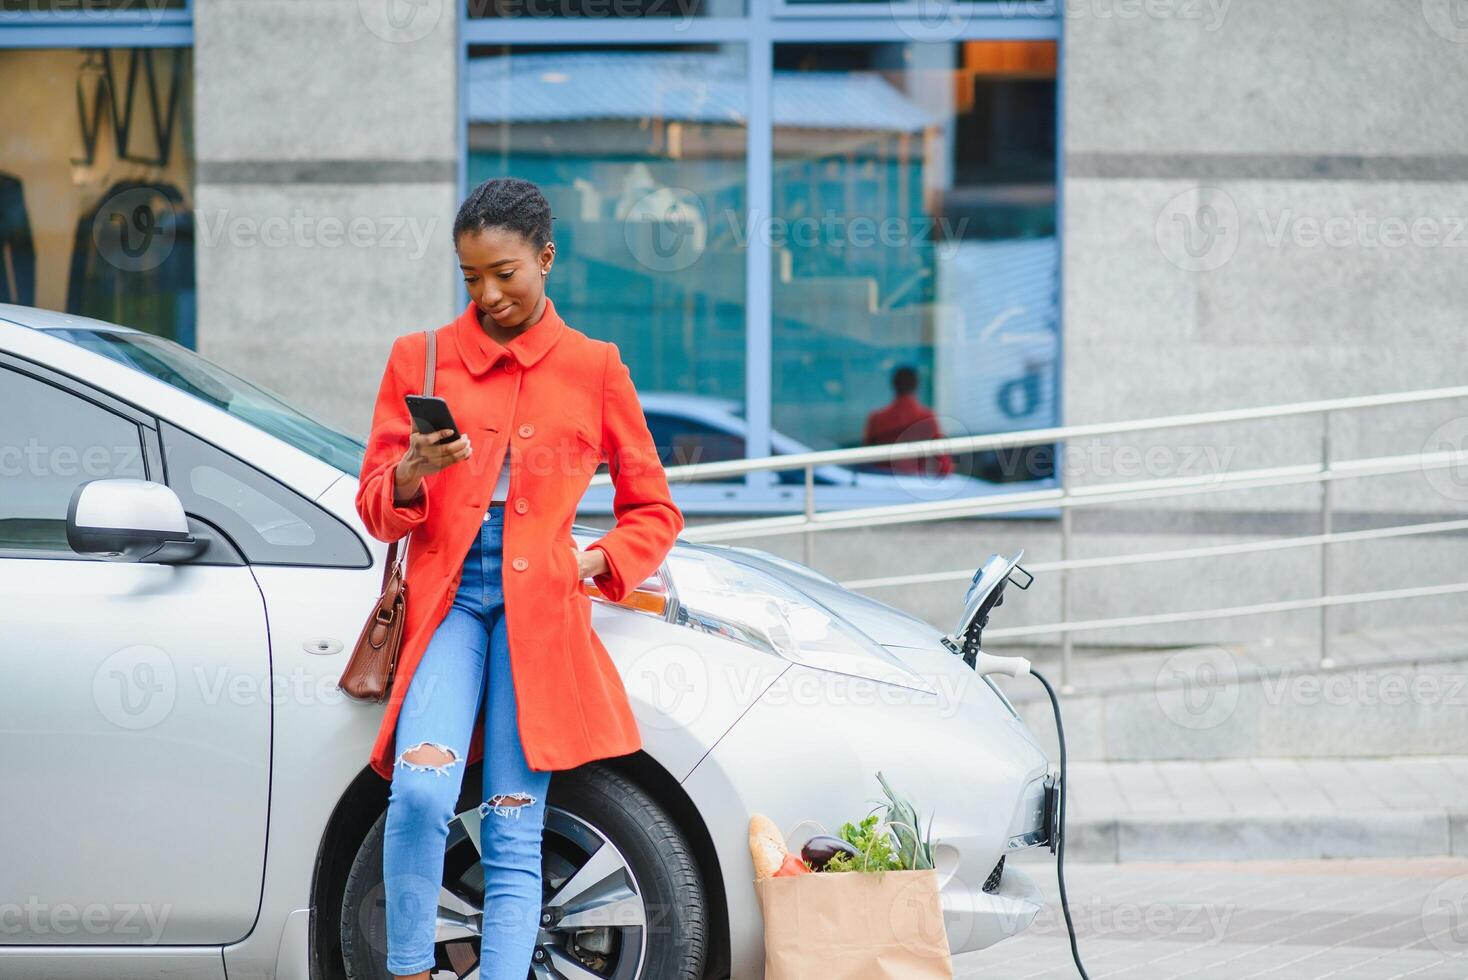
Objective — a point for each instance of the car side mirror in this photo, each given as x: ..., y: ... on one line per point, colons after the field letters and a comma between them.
x: 125, y: 519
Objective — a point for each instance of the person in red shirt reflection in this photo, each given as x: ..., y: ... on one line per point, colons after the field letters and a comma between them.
x: 905, y: 419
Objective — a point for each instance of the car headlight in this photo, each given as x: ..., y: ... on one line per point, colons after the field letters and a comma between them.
x: 725, y: 597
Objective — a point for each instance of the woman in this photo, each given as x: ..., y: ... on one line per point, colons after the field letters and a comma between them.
x: 498, y: 659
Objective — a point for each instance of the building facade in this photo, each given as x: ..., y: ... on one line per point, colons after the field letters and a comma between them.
x: 1051, y: 213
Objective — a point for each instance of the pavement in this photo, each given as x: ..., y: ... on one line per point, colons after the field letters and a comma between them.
x: 1375, y: 919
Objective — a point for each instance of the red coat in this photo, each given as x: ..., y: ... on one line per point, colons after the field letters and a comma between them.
x: 567, y: 402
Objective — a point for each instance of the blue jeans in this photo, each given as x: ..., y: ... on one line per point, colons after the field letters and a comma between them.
x: 439, y: 709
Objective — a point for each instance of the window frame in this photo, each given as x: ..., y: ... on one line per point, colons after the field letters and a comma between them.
x: 164, y: 28
x: 146, y: 424
x: 320, y: 515
x: 766, y: 24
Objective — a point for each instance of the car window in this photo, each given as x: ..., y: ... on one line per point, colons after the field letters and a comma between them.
x: 187, y: 371
x: 269, y: 522
x: 682, y: 441
x: 51, y: 441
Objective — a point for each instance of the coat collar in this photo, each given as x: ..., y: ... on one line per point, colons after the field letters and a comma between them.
x: 481, y: 352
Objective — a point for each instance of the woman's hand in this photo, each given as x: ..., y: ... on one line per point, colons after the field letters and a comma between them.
x: 589, y: 563
x: 424, y: 458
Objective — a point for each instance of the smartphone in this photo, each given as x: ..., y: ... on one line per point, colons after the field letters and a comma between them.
x: 431, y: 413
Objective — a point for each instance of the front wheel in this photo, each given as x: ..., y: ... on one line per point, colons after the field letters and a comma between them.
x: 622, y: 897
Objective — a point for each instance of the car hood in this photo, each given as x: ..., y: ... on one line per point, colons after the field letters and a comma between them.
x: 883, y: 624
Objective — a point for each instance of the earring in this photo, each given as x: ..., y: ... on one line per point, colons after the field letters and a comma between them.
x: 545, y: 272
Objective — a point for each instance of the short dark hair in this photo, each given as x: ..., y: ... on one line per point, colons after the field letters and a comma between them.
x: 904, y: 379
x: 506, y: 202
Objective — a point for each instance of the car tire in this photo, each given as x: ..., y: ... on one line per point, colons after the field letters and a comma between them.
x: 587, y: 808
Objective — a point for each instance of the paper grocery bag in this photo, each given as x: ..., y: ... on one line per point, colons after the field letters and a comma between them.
x: 854, y: 925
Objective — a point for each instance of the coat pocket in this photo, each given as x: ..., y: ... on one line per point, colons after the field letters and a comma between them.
x: 569, y: 566
x: 592, y: 442
x: 590, y: 448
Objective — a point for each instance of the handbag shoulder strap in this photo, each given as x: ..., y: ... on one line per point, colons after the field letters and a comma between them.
x: 430, y: 366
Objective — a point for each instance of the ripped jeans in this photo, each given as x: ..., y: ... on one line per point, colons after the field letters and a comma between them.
x: 433, y: 731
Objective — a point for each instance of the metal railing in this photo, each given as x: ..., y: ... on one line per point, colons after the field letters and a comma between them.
x: 1323, y: 471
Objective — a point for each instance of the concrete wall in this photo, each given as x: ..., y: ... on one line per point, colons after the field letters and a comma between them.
x: 1311, y: 156
x: 1265, y: 202
x: 326, y: 190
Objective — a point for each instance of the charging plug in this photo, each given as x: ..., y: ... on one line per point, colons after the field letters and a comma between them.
x: 1013, y: 666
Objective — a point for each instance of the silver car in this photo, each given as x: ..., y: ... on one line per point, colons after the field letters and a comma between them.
x: 186, y: 792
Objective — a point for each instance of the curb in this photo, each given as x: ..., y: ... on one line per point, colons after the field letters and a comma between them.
x: 1243, y: 837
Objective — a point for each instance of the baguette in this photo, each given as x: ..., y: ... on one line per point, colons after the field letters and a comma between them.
x: 766, y: 846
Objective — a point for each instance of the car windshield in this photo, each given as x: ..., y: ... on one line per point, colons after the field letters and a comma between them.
x: 174, y: 364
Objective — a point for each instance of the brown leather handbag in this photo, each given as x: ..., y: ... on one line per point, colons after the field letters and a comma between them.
x: 369, y: 673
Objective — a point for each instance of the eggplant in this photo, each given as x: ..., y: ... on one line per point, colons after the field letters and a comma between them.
x: 821, y: 848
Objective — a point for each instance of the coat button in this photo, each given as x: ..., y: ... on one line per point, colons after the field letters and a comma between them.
x: 520, y: 564
x: 527, y: 430
x: 511, y: 365
x: 521, y: 505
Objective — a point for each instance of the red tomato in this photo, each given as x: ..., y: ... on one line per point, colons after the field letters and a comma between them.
x: 792, y: 865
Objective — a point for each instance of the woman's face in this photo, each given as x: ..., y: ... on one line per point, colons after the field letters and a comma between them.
x: 502, y: 272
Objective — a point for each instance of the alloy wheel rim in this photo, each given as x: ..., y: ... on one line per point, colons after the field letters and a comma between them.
x: 593, y: 918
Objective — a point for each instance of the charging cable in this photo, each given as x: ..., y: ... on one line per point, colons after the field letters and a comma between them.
x: 1019, y: 667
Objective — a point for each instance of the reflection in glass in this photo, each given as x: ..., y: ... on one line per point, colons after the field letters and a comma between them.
x: 641, y: 153
x: 96, y: 184
x: 195, y: 375
x: 51, y: 442
x: 916, y: 267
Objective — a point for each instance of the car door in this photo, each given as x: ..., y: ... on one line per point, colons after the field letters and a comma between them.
x: 134, y: 709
